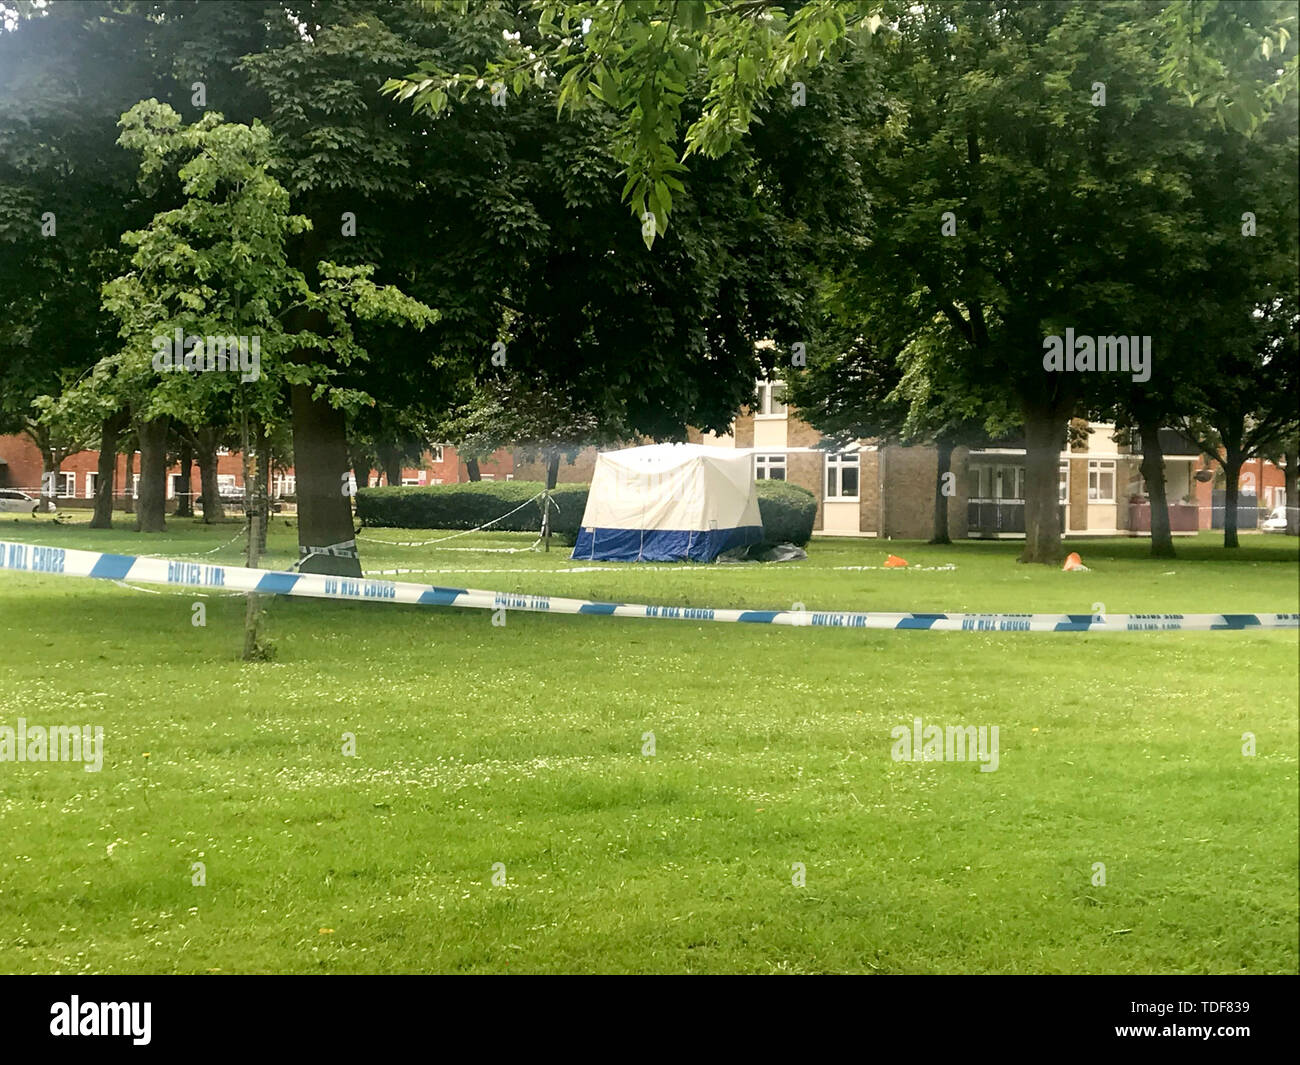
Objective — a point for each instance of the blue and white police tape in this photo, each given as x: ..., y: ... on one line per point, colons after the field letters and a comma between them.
x: 30, y: 558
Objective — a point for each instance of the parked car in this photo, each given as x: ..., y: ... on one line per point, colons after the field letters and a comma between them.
x: 1276, y: 521
x: 13, y: 501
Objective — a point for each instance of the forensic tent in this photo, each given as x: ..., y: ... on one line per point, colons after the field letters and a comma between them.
x: 669, y: 503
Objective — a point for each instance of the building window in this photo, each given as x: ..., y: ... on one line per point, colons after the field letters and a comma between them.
x: 771, y: 400
x: 1011, y: 483
x: 67, y: 485
x: 769, y: 467
x: 842, y: 476
x: 435, y: 453
x: 1101, y: 481
x: 411, y: 480
x: 980, y: 483
x: 286, y: 484
x: 1065, y: 482
x: 488, y: 476
x: 92, y: 479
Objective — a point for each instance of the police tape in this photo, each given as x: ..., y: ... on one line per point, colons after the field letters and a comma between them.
x: 30, y: 558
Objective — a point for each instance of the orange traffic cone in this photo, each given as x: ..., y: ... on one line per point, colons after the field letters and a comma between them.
x: 894, y: 562
x: 1074, y: 562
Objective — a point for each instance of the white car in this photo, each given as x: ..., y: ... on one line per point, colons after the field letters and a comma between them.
x: 13, y: 501
x: 1276, y: 521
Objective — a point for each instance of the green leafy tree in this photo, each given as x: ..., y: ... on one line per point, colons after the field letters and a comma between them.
x: 642, y: 63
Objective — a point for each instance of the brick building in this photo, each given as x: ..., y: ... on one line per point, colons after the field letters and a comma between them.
x: 20, y: 467
x: 888, y: 492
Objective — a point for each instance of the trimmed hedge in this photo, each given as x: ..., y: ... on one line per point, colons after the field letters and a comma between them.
x: 469, y: 505
x: 789, y: 512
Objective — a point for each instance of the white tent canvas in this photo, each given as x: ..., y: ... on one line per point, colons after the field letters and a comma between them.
x: 669, y: 503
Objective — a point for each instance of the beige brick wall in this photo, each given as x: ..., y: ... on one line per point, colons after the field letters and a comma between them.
x: 909, y: 492
x: 804, y: 468
x: 958, y: 512
x: 1078, y: 493
x: 800, y: 433
x: 743, y: 432
x: 869, y: 492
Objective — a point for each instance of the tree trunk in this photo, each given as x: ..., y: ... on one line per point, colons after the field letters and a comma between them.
x: 1153, y: 471
x: 264, y: 485
x: 944, y: 467
x: 361, y: 473
x: 471, y: 467
x: 1045, y: 431
x: 209, y: 491
x: 151, y: 501
x: 255, y: 505
x: 128, y: 489
x: 49, y: 478
x: 184, y: 498
x: 1233, y: 460
x: 552, y: 469
x: 320, y: 449
x: 1291, y: 479
x: 106, y: 467
x: 392, y: 460
x: 151, y: 514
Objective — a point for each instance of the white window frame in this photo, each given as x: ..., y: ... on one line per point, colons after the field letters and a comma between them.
x: 435, y: 453
x: 411, y: 482
x: 835, y: 464
x: 763, y: 408
x: 1063, y: 481
x: 1098, y: 467
x: 66, y: 485
x: 1016, y: 474
x: 764, y: 465
x: 91, y: 477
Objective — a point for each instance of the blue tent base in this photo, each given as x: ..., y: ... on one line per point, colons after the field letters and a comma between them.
x: 661, y: 545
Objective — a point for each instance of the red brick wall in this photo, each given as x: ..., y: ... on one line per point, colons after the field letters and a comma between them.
x: 23, y: 467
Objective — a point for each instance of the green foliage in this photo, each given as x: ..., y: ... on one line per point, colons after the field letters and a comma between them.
x: 216, y: 265
x: 640, y: 62
x: 468, y: 506
x: 1237, y: 59
x: 788, y: 511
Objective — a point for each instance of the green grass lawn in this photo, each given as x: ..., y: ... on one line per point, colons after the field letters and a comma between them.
x: 522, y: 745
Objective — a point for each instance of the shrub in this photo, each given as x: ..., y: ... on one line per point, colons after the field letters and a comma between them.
x: 789, y: 512
x: 469, y: 505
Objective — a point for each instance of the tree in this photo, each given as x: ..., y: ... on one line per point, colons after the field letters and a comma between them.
x: 1246, y: 315
x: 541, y: 418
x: 857, y: 387
x: 65, y: 197
x: 203, y: 311
x: 1016, y: 202
x: 638, y: 62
